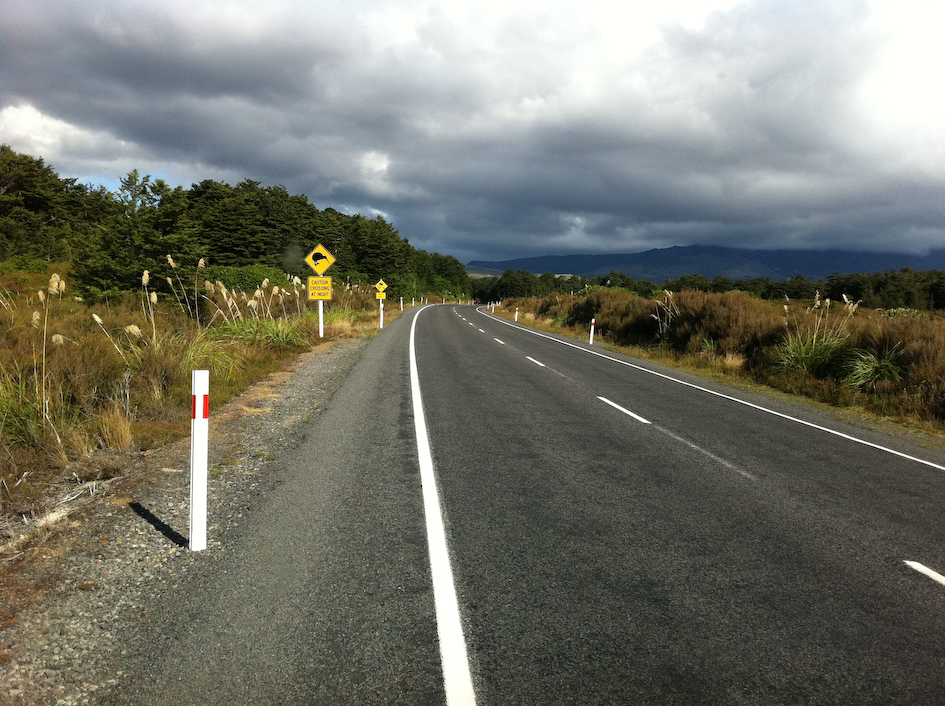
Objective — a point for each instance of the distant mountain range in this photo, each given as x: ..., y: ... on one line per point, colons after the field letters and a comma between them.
x: 662, y: 264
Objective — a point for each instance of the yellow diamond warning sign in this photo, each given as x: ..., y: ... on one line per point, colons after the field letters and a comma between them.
x: 320, y: 259
x: 380, y: 286
x: 319, y: 288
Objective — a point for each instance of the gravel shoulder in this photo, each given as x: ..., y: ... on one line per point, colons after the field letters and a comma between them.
x: 68, y: 593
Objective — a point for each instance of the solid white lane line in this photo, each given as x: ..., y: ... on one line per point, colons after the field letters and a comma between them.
x: 536, y: 362
x: 456, y: 676
x: 498, y: 341
x: 934, y: 575
x: 625, y: 411
x: 723, y: 396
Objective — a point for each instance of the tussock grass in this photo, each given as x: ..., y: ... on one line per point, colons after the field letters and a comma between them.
x: 75, y: 380
x: 834, y: 352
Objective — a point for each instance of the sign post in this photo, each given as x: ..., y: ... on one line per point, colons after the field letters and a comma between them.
x: 319, y: 288
x: 380, y: 287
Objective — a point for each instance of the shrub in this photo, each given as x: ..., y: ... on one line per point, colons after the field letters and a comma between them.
x: 25, y: 263
x: 814, y: 355
x: 839, y: 354
x: 865, y: 369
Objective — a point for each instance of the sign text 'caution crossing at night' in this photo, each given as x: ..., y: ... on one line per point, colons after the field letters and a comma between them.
x: 319, y: 288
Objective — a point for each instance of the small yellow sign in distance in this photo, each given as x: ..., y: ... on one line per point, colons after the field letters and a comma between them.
x: 320, y: 259
x: 381, y: 295
x: 319, y: 288
x: 380, y: 286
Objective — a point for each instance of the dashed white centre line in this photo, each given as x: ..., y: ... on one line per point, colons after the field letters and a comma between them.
x: 694, y: 447
x: 625, y: 411
x: 934, y: 575
x: 498, y: 341
x: 751, y: 405
x: 681, y: 440
x: 536, y: 362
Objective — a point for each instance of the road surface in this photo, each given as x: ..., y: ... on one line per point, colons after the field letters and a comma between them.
x: 570, y: 527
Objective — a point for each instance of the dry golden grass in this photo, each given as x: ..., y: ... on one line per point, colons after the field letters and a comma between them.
x: 114, y: 429
x: 76, y: 379
x: 893, y: 367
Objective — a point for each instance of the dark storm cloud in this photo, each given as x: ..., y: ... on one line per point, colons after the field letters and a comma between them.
x: 521, y: 133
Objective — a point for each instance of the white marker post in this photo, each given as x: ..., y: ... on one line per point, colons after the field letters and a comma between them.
x: 401, y: 303
x: 516, y: 313
x: 199, y: 449
x: 591, y: 342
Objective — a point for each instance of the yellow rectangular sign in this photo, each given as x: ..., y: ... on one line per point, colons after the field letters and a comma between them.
x: 381, y: 295
x: 319, y: 288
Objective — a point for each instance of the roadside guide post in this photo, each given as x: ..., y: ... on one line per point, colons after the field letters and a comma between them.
x: 380, y: 287
x: 199, y: 452
x: 591, y: 341
x: 319, y: 288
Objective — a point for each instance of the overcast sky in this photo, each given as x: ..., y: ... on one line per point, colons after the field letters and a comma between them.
x: 491, y: 129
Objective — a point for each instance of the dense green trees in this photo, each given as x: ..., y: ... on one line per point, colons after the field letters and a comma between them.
x: 888, y: 290
x: 905, y: 288
x: 521, y: 283
x: 111, y: 238
x: 42, y: 215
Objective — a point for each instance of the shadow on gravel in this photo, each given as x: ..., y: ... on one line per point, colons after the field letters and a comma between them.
x: 158, y: 524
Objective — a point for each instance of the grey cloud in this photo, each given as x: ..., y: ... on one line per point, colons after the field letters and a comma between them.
x: 744, y: 132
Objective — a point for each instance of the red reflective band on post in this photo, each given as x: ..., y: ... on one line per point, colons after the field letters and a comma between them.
x: 206, y: 406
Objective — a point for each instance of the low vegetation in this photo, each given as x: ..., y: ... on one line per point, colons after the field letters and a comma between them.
x: 890, y: 362
x: 76, y: 379
x: 904, y: 290
x: 97, y: 350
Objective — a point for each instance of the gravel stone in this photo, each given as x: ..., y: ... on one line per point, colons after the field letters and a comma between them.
x: 125, y: 542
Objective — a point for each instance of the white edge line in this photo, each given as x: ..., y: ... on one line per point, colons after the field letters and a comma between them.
x: 536, y: 362
x: 723, y: 396
x: 625, y: 411
x: 934, y: 575
x: 457, y: 679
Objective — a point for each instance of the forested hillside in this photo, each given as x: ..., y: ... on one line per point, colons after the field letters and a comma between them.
x: 110, y: 238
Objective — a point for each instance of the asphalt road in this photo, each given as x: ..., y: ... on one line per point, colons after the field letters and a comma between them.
x: 615, y: 537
